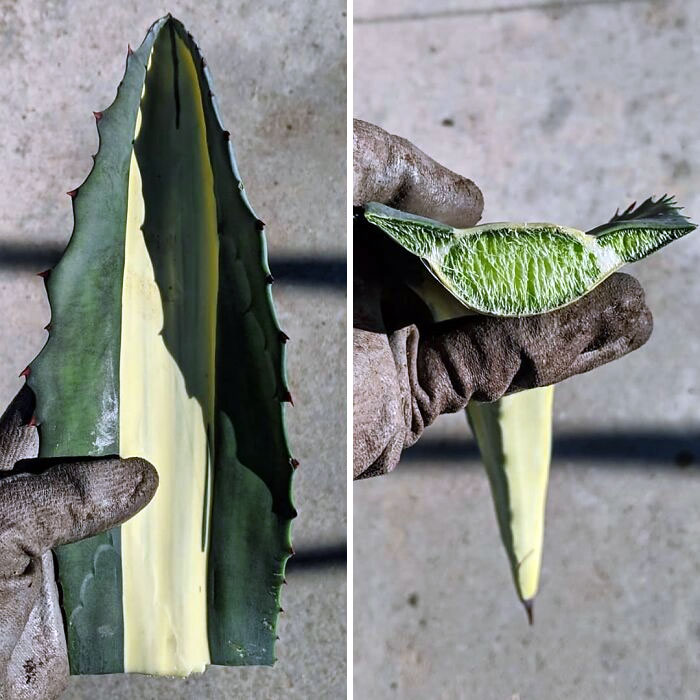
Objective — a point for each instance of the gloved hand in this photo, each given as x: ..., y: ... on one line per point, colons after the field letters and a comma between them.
x: 407, y: 370
x: 45, y: 503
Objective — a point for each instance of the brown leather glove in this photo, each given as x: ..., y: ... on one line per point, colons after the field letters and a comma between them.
x: 45, y: 503
x: 407, y: 370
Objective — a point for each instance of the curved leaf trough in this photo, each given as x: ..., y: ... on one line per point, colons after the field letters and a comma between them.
x: 164, y: 344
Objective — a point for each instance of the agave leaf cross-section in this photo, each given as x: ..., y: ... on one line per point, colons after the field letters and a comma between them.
x: 522, y: 269
x: 164, y: 344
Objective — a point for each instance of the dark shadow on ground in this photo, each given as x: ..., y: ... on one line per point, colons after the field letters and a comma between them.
x: 628, y: 450
x: 318, y: 558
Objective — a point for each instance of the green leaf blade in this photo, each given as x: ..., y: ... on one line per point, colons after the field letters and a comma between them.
x: 252, y: 506
x: 245, y: 516
x: 73, y: 359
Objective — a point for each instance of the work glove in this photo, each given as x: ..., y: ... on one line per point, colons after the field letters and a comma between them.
x: 408, y: 370
x: 45, y: 503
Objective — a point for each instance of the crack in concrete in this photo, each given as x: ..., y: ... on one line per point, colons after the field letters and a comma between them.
x: 504, y: 9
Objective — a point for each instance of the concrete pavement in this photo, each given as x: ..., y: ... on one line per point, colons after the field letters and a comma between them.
x: 560, y: 111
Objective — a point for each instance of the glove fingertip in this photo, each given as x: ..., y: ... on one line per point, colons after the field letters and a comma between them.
x: 145, y: 478
x: 468, y: 203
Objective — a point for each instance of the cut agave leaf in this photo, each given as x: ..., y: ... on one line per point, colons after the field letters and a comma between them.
x: 521, y: 269
x: 514, y: 435
x: 164, y: 344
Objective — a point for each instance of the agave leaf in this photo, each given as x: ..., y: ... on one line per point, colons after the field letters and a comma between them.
x: 521, y: 269
x: 164, y: 344
x: 518, y: 269
x: 514, y: 435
